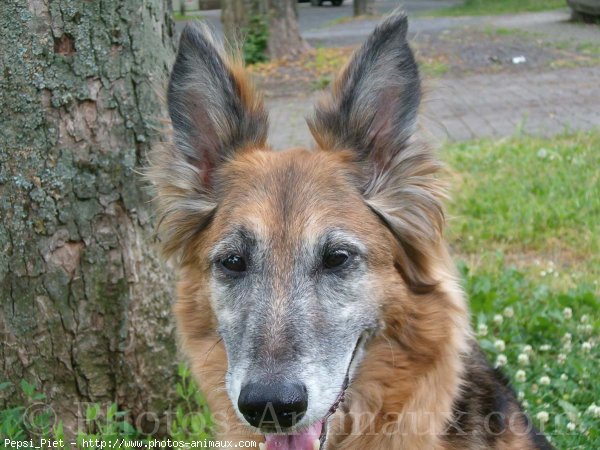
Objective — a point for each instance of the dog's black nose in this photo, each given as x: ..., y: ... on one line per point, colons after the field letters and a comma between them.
x: 270, y: 406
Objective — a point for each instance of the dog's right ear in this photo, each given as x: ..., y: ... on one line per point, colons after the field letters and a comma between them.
x: 215, y: 113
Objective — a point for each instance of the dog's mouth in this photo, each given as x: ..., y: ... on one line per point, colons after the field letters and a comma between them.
x: 313, y: 437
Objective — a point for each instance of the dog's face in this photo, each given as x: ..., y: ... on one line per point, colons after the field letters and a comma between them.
x: 295, y: 256
x: 298, y: 250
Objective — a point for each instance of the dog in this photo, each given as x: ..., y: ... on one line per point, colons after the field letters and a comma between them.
x: 316, y: 301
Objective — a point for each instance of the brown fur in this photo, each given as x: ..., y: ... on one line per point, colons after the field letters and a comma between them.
x: 418, y: 367
x: 414, y: 366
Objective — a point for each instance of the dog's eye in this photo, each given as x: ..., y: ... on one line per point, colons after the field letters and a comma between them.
x: 335, y: 259
x: 234, y: 263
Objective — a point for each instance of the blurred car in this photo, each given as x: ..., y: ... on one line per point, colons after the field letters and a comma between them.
x: 320, y: 2
x: 585, y: 8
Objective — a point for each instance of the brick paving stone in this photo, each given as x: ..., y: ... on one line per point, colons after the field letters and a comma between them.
x: 478, y: 106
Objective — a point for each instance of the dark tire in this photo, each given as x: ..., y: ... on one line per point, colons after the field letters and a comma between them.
x: 337, y: 2
x: 578, y: 16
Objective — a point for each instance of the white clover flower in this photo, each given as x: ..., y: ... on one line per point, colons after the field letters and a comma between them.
x: 586, y: 346
x: 500, y: 345
x: 509, y: 312
x: 584, y: 319
x: 567, y: 337
x: 498, y: 319
x: 593, y: 410
x: 523, y: 359
x: 482, y: 329
x: 528, y: 349
x: 561, y: 358
x: 568, y: 313
x: 545, y: 380
x: 534, y: 388
x: 564, y: 377
x: 543, y: 416
x: 501, y: 360
x: 543, y: 273
x: 521, y: 376
x: 521, y: 395
x: 571, y: 426
x: 525, y: 404
x: 545, y: 347
x: 567, y: 346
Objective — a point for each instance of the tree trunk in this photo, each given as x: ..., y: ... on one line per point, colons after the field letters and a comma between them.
x: 235, y: 16
x: 284, y: 33
x: 284, y: 39
x: 364, y: 8
x: 84, y: 301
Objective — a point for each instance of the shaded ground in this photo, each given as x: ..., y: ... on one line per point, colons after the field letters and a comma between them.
x: 448, y: 46
x: 311, y: 18
x: 482, y: 105
x: 555, y: 26
x: 474, y: 86
x: 463, y: 51
x: 473, y: 50
x: 318, y: 18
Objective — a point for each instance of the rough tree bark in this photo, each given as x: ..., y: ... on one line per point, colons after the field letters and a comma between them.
x: 84, y: 302
x: 364, y: 7
x: 284, y: 38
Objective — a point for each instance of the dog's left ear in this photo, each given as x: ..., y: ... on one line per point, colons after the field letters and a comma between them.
x: 372, y: 112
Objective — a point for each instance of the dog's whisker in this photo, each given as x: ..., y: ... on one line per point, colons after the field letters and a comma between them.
x: 391, y: 347
x: 217, y: 342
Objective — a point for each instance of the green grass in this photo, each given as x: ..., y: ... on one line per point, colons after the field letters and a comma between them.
x: 433, y: 68
x: 485, y: 7
x: 178, y: 17
x: 535, y: 201
x: 546, y: 341
x: 589, y: 48
x: 525, y: 221
x: 347, y: 19
x: 493, y: 32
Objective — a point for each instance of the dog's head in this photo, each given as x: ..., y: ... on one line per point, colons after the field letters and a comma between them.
x: 298, y: 252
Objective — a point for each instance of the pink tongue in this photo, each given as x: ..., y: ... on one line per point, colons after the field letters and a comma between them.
x: 299, y: 441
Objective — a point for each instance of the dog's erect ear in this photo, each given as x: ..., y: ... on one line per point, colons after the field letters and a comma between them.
x: 215, y: 113
x: 374, y: 101
x: 213, y: 107
x: 372, y: 112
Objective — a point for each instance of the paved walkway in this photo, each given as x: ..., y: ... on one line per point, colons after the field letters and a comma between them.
x: 316, y: 19
x: 553, y: 26
x: 499, y: 105
x: 534, y: 101
x: 477, y: 106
